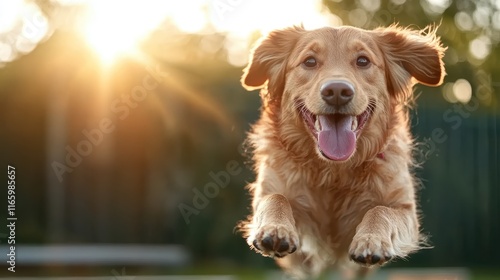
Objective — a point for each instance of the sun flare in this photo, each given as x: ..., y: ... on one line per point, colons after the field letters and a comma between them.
x: 116, y: 28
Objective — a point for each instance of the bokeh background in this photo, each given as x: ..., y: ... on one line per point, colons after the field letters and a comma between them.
x: 118, y: 114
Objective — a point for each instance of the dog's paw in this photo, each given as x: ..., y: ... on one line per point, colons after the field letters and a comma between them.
x: 369, y: 249
x: 275, y: 240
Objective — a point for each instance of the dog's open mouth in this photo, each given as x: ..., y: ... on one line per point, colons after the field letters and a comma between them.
x: 336, y: 134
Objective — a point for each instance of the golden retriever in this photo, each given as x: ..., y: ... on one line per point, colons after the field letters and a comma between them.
x: 332, y: 149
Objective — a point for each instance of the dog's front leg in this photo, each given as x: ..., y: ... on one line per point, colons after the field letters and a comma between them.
x: 273, y: 231
x: 385, y: 233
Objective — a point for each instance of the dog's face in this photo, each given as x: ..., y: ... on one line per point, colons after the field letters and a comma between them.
x: 343, y: 83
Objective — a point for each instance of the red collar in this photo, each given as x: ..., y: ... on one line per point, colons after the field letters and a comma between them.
x: 381, y: 156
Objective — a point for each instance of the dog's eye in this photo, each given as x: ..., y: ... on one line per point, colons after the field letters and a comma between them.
x: 362, y: 61
x: 310, y: 62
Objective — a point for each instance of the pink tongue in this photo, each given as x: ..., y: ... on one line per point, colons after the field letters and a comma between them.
x: 336, y: 139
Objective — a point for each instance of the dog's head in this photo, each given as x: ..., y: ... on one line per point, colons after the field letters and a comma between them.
x: 345, y: 83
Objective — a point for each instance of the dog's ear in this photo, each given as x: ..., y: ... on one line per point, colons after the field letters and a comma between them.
x: 409, y: 53
x: 268, y: 60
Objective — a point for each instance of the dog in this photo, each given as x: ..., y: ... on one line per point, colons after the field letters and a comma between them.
x: 332, y: 148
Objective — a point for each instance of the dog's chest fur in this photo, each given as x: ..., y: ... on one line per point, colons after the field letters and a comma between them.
x: 328, y: 200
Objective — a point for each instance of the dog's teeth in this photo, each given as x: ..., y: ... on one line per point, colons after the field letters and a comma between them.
x: 354, y: 123
x: 317, y: 125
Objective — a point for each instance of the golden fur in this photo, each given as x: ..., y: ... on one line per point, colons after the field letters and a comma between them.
x: 311, y: 212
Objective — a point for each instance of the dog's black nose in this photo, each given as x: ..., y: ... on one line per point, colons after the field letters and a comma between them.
x: 337, y: 93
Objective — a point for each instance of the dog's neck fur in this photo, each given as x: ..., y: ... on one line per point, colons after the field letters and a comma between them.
x: 276, y: 131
